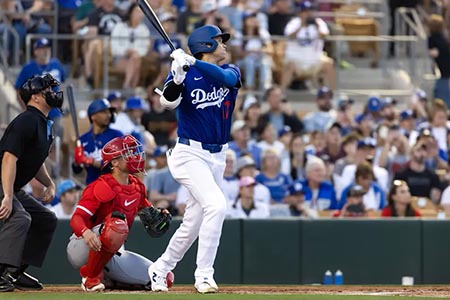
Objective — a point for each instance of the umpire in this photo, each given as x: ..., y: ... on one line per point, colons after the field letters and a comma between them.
x: 28, y: 226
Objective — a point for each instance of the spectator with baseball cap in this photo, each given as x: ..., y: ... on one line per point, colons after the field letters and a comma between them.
x: 364, y: 124
x: 246, y: 167
x: 422, y: 181
x: 116, y: 100
x: 344, y: 115
x: 373, y: 107
x: 43, y: 63
x: 325, y: 115
x: 406, y: 124
x: 67, y: 192
x: 354, y: 205
x: 242, y: 144
x: 304, y: 49
x: 374, y: 197
x: 365, y: 151
x: 87, y: 155
x: 387, y: 111
x: 129, y: 121
x: 245, y: 206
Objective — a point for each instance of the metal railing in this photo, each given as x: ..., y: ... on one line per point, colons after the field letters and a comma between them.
x: 8, y: 29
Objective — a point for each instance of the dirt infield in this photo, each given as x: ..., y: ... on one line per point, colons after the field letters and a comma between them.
x: 421, y: 291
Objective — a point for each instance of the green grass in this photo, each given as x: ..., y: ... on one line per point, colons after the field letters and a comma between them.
x: 169, y: 296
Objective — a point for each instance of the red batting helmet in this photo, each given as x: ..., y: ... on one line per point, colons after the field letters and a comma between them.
x: 127, y: 147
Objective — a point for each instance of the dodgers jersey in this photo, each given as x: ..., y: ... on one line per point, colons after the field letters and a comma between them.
x: 206, y: 107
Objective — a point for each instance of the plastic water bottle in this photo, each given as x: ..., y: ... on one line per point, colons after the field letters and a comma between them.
x: 338, y: 277
x: 328, y: 277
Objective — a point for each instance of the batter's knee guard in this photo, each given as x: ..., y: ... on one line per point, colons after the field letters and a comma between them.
x: 112, y: 236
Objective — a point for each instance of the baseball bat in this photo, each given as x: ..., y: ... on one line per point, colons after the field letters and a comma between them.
x: 150, y: 14
x: 73, y: 111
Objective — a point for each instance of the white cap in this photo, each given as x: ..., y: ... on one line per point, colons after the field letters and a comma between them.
x: 208, y: 6
x: 237, y: 125
x: 248, y: 102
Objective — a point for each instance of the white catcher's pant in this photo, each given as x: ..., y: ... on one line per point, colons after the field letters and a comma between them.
x: 128, y: 267
x: 201, y: 173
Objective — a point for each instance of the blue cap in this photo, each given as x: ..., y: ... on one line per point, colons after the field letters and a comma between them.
x: 367, y: 142
x: 66, y: 185
x: 98, y: 105
x: 406, y: 114
x: 374, y: 104
x: 388, y: 101
x: 361, y: 117
x: 296, y: 188
x: 134, y: 103
x: 114, y: 95
x: 41, y: 43
x: 284, y: 130
x: 159, y: 151
x: 304, y: 5
x: 324, y: 91
x: 421, y: 94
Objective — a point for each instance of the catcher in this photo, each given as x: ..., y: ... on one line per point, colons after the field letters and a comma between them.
x: 105, y: 213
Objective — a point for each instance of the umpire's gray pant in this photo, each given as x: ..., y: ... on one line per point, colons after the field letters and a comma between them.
x: 26, y: 235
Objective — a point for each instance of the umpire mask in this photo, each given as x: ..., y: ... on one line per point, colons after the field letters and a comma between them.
x: 38, y: 84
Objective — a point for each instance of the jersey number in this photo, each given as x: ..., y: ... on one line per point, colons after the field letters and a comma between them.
x: 226, y: 109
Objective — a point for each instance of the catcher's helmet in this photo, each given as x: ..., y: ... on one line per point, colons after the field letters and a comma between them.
x: 36, y: 84
x: 100, y: 105
x: 202, y: 39
x: 127, y: 147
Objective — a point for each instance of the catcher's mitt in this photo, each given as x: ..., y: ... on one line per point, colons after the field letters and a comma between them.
x: 156, y: 222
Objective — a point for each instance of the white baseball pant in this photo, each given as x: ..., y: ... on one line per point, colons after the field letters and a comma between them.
x: 201, y: 173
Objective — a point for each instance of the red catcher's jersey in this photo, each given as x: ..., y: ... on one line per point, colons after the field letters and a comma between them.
x: 105, y: 195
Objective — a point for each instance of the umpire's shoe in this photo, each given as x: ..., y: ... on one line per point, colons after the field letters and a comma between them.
x: 24, y: 281
x: 5, y: 284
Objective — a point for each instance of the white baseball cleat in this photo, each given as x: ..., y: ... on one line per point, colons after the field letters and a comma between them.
x: 206, y: 286
x: 157, y: 279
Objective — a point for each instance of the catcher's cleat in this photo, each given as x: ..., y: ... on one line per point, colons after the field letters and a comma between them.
x: 157, y: 279
x: 5, y: 285
x: 24, y: 281
x: 206, y: 286
x: 92, y: 284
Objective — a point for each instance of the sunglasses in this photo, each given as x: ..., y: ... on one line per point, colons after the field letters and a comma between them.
x: 398, y: 182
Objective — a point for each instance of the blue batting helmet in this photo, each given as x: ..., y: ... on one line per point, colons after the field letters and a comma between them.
x: 202, y: 39
x: 100, y: 105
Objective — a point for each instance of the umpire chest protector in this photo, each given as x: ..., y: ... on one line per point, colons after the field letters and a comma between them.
x: 116, y: 197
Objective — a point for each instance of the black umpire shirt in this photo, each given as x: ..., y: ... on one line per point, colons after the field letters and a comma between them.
x: 29, y: 138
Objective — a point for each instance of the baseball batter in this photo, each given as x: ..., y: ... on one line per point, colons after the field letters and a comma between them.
x: 104, y: 215
x: 205, y: 96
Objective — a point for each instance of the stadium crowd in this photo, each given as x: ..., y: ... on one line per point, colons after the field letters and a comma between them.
x: 388, y: 159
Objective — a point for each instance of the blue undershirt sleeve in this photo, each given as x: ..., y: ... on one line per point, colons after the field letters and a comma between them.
x: 228, y: 77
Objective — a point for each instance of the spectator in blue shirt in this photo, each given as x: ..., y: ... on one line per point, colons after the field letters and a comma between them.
x: 270, y: 176
x: 318, y: 193
x: 42, y: 63
x: 88, y: 155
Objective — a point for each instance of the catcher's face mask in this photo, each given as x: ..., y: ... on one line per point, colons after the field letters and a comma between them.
x: 128, y: 148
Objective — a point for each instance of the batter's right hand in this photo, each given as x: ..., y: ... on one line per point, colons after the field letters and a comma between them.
x: 78, y: 155
x: 6, y: 207
x: 177, y: 54
x: 92, y: 240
